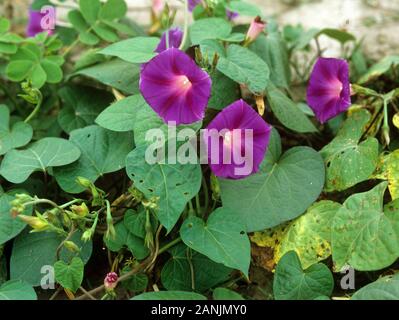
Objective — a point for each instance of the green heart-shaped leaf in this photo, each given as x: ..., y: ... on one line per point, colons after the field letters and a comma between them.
x: 11, y: 138
x: 17, y: 290
x: 310, y: 235
x: 18, y: 165
x: 291, y: 282
x: 348, y: 160
x: 365, y: 235
x: 285, y: 187
x: 69, y: 276
x: 169, y: 295
x: 174, y: 184
x: 222, y: 239
x: 99, y: 155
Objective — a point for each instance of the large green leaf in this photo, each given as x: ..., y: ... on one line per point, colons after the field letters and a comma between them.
x: 15, y: 137
x: 209, y: 28
x: 310, y: 235
x: 32, y: 251
x: 113, y: 9
x: 273, y: 50
x: 287, y: 112
x: 177, y: 271
x: 224, y: 91
x: 283, y: 189
x: 291, y: 282
x: 244, y: 8
x: 174, y: 184
x: 121, y: 115
x: 116, y: 73
x: 365, y: 235
x: 134, y: 50
x: 169, y: 295
x: 17, y: 290
x: 386, y: 288
x: 226, y: 294
x: 102, y: 152
x: 245, y: 67
x: 10, y: 226
x: 222, y: 239
x: 90, y: 10
x: 348, y: 160
x: 81, y: 106
x: 18, y: 165
x: 69, y: 275
x: 124, y: 238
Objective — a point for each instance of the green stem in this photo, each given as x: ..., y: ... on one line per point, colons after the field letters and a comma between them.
x: 37, y: 108
x: 73, y: 45
x: 198, y: 204
x: 385, y: 128
x: 169, y: 245
x: 185, y: 35
x: 191, y: 211
x: 206, y: 193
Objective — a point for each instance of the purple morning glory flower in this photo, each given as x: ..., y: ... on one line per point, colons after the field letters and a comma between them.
x: 329, y: 92
x: 233, y: 125
x: 36, y: 22
x: 175, y: 38
x: 175, y: 87
x: 192, y: 4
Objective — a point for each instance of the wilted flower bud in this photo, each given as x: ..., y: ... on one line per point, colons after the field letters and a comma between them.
x: 71, y: 246
x: 111, y: 281
x: 87, y: 235
x: 255, y: 29
x: 151, y: 203
x: 37, y: 224
x: 157, y: 6
x: 82, y: 210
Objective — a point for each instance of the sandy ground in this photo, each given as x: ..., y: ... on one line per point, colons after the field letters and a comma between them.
x: 377, y: 21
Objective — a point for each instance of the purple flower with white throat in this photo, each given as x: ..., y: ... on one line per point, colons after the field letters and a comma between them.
x: 175, y: 39
x: 237, y: 141
x: 175, y: 87
x: 329, y: 90
x: 40, y: 21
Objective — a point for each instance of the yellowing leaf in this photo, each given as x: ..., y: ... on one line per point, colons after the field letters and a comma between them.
x: 395, y: 120
x: 393, y: 174
x: 310, y: 235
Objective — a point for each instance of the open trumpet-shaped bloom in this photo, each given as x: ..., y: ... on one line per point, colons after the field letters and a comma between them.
x: 175, y: 38
x: 35, y: 23
x: 237, y: 141
x: 329, y: 88
x: 175, y: 87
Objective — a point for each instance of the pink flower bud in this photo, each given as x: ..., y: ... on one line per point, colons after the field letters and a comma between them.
x: 256, y: 28
x: 110, y: 281
x: 157, y: 6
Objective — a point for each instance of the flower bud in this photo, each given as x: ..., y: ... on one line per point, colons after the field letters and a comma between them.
x: 255, y: 29
x: 85, y: 183
x: 82, y: 210
x: 71, y: 246
x: 37, y: 224
x: 111, y: 281
x: 87, y: 235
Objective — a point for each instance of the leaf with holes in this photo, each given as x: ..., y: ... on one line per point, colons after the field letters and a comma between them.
x: 310, y: 235
x: 18, y: 165
x: 222, y: 239
x: 99, y: 155
x: 365, y: 234
x: 173, y: 184
x: 350, y: 161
